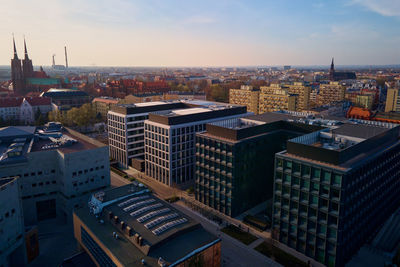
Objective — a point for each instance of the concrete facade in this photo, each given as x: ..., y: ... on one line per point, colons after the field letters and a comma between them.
x: 12, y: 247
x: 54, y: 181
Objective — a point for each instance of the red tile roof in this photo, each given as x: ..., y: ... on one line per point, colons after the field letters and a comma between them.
x: 38, y: 101
x: 8, y: 102
x: 105, y: 100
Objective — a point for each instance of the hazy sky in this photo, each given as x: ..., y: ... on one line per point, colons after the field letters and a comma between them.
x: 202, y: 33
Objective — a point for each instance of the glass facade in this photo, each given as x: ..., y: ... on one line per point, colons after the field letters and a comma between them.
x: 329, y: 213
x: 234, y: 176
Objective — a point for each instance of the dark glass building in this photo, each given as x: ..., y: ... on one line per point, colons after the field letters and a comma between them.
x: 235, y: 160
x: 334, y: 188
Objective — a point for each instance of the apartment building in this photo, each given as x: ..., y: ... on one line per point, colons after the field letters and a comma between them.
x: 392, y: 100
x: 276, y: 98
x: 335, y: 187
x: 104, y: 104
x: 329, y: 93
x: 129, y: 226
x: 303, y: 91
x: 245, y: 96
x: 170, y: 138
x: 126, y: 129
x: 57, y: 169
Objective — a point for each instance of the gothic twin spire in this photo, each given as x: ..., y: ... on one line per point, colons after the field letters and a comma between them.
x: 15, y: 49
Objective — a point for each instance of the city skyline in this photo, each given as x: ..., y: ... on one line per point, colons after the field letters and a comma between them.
x: 227, y: 33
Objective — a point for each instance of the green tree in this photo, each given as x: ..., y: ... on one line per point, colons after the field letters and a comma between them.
x: 218, y: 93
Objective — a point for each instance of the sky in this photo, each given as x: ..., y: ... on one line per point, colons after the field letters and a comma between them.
x: 202, y: 33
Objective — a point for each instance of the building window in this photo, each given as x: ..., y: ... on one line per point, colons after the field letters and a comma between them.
x: 337, y: 179
x: 316, y: 173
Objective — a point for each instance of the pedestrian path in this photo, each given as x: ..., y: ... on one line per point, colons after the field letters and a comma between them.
x: 256, y: 243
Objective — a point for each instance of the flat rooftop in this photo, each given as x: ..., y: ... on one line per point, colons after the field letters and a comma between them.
x: 181, y: 112
x: 344, y: 145
x: 79, y: 142
x: 164, y: 231
x: 17, y: 142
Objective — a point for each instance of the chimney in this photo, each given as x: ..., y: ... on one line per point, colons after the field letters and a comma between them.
x: 66, y: 58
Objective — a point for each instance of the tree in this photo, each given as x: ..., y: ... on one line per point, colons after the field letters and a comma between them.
x: 218, y: 93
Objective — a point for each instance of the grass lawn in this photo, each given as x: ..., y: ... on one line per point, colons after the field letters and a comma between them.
x: 279, y: 255
x: 253, y: 221
x: 235, y: 232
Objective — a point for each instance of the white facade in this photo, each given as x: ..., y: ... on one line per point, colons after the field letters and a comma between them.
x: 126, y: 136
x: 24, y: 112
x: 170, y: 149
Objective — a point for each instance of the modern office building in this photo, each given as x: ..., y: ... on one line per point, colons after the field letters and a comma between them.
x: 392, y: 100
x: 12, y: 245
x: 335, y: 187
x: 235, y: 160
x: 57, y: 169
x: 276, y: 98
x: 329, y: 93
x: 129, y: 226
x: 246, y: 96
x: 126, y: 128
x: 170, y: 139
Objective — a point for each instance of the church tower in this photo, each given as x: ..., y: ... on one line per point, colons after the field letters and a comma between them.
x: 332, y: 72
x: 16, y: 73
x: 27, y: 67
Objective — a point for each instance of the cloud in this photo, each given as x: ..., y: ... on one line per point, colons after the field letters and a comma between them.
x: 388, y: 8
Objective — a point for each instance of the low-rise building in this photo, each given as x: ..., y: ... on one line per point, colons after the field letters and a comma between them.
x: 65, y: 99
x: 104, y: 104
x: 24, y: 109
x: 57, y: 169
x: 129, y: 226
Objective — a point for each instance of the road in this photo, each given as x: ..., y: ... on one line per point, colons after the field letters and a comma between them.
x: 117, y: 181
x: 233, y: 252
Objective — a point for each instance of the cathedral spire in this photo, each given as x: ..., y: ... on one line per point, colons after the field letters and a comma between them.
x: 15, y: 49
x: 26, y: 51
x: 332, y: 65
